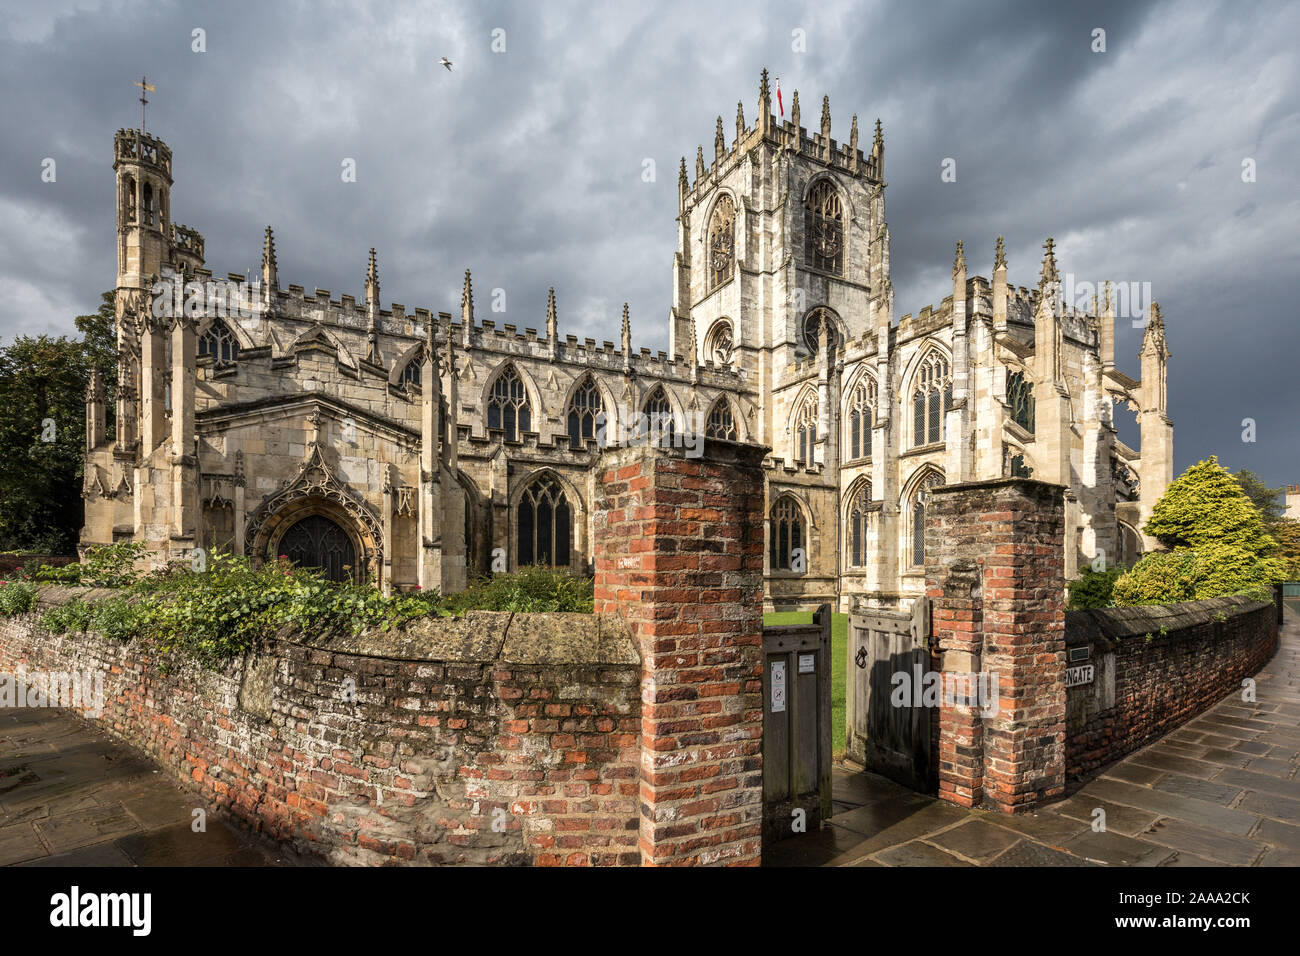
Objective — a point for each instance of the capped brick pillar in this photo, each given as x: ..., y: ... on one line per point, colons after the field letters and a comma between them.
x: 995, y: 571
x: 678, y: 544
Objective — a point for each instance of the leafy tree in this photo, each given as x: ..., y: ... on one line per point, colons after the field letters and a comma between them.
x: 42, y: 430
x: 1207, y: 504
x: 1264, y: 498
x: 1216, y: 538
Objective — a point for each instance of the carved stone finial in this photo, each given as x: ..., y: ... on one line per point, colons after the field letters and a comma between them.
x: 826, y: 117
x: 740, y: 121
x: 699, y: 163
x: 682, y: 182
x: 1000, y: 255
x: 467, y: 303
x: 878, y: 144
x: 794, y: 109
x: 1049, y: 273
x: 853, y: 137
x: 959, y: 260
x: 719, y: 141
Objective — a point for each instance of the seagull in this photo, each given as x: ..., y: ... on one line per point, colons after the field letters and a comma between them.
x: 446, y: 62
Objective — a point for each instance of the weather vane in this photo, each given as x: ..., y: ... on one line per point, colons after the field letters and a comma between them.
x: 144, y: 88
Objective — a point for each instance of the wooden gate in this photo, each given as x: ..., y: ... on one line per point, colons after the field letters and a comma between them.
x: 796, y: 726
x: 891, y: 740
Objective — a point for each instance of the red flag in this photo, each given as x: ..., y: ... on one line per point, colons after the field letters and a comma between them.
x: 779, y: 104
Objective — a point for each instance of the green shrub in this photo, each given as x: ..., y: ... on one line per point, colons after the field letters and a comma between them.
x: 1193, y: 574
x: 110, y: 566
x: 218, y: 613
x: 528, y: 590
x: 1206, y: 505
x: 1093, y: 588
x: 76, y: 615
x: 16, y: 597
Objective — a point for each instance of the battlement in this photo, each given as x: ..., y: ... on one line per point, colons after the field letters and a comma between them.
x: 789, y: 135
x: 133, y: 146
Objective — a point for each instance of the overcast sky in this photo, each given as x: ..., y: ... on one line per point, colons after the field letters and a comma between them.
x: 526, y: 165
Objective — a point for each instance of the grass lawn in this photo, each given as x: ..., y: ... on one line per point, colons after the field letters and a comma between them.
x: 839, y: 641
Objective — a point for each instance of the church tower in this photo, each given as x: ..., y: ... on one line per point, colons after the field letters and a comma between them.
x: 782, y: 234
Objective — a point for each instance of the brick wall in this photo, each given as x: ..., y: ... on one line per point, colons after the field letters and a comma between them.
x: 395, y: 748
x: 1155, y: 668
x: 995, y: 574
x: 679, y: 553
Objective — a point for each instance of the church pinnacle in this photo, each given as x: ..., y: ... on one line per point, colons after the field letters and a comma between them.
x: 1000, y: 255
x: 270, y: 277
x: 1049, y: 274
x: 467, y: 304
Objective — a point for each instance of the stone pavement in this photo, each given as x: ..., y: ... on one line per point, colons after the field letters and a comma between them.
x: 1220, y: 790
x: 72, y: 796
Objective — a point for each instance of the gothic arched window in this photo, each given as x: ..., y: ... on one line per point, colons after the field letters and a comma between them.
x: 920, y: 501
x: 148, y: 204
x: 786, y: 539
x: 805, y: 428
x: 584, y: 407
x: 718, y: 344
x: 862, y: 405
x: 722, y: 243
x: 931, y: 397
x: 658, y: 412
x: 508, y: 405
x: 720, y: 424
x: 414, y: 369
x: 824, y: 228
x: 1020, y: 396
x: 859, y: 507
x: 219, y: 342
x: 544, y: 524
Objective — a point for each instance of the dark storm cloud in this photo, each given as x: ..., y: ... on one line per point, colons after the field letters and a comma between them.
x: 526, y: 166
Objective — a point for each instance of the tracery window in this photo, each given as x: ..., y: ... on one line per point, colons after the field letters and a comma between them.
x: 786, y: 538
x: 859, y: 508
x: 720, y: 423
x: 1020, y: 396
x: 812, y: 331
x: 805, y: 428
x: 862, y: 405
x: 544, y: 523
x: 414, y: 369
x: 931, y: 397
x: 219, y: 342
x: 658, y: 412
x: 508, y: 405
x: 824, y: 228
x: 584, y: 407
x: 722, y: 243
x: 920, y: 501
x: 719, y: 344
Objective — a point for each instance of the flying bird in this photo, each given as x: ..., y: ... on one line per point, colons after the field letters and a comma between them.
x: 447, y: 63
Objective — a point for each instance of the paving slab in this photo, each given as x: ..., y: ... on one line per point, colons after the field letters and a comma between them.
x: 1212, y: 844
x: 917, y: 853
x: 1182, y: 785
x: 975, y: 840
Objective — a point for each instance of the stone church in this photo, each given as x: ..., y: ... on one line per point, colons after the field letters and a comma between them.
x: 417, y: 448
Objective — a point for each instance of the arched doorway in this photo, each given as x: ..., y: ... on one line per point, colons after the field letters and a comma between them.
x: 318, y: 542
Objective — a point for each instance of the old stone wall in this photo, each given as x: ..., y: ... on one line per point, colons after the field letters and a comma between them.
x: 1155, y: 668
x: 493, y: 739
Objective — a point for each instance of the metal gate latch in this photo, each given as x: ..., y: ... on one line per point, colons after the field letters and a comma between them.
x: 861, y: 658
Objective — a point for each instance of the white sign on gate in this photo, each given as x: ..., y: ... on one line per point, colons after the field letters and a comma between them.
x: 778, y: 686
x: 1080, y: 674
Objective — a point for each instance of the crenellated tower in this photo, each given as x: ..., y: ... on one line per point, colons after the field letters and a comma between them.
x: 783, y: 232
